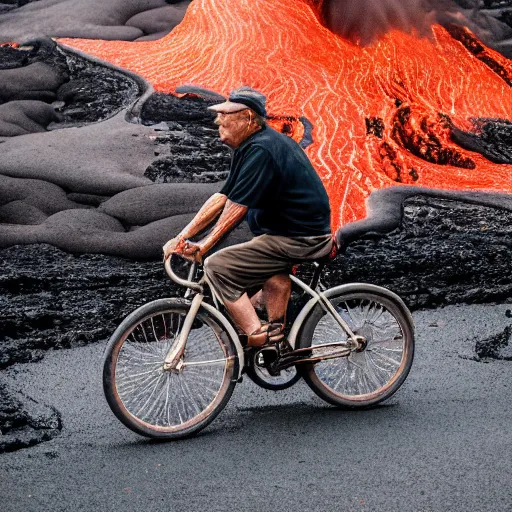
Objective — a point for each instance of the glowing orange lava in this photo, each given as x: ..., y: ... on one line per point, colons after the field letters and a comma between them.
x: 380, y: 113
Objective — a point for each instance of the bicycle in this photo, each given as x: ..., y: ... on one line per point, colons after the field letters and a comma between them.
x: 171, y: 366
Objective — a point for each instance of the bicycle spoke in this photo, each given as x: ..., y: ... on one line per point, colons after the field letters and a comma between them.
x: 206, y: 363
x: 166, y: 405
x: 366, y: 372
x: 196, y: 397
x: 153, y: 329
x: 151, y: 394
x: 134, y: 384
x: 156, y: 404
x: 165, y: 327
x: 204, y: 381
x: 371, y: 375
x: 165, y: 399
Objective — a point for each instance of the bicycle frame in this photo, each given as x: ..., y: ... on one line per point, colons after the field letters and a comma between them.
x: 174, y: 359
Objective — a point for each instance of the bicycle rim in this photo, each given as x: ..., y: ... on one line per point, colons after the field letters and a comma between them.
x: 155, y: 402
x: 375, y: 373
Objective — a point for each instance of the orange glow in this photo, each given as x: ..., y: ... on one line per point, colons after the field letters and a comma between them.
x: 408, y: 86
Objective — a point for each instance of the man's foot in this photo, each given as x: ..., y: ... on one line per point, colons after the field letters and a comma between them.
x: 267, y: 334
x: 270, y: 354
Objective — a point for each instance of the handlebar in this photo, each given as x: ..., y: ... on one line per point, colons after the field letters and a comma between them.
x: 178, y: 280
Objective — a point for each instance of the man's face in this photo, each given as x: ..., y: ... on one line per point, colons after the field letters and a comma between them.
x: 234, y: 128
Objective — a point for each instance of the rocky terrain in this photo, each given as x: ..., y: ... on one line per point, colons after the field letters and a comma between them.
x: 444, y: 252
x: 24, y: 20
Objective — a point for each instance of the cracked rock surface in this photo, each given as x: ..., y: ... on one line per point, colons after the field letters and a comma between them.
x: 498, y: 346
x: 25, y: 422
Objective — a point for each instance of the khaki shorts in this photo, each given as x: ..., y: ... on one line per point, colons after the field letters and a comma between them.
x: 234, y: 270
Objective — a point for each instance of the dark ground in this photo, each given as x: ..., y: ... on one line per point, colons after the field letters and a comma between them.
x: 442, y: 443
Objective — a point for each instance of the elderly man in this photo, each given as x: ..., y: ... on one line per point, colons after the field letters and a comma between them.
x: 272, y: 184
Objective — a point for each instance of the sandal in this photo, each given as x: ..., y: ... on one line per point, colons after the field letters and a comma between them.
x: 267, y: 334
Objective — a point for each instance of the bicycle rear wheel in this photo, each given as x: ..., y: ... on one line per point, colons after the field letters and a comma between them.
x: 372, y: 375
x: 167, y: 404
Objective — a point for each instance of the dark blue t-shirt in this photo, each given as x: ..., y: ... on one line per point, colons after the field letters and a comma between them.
x: 273, y: 177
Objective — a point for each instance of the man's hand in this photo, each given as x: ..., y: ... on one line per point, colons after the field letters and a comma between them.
x: 189, y: 250
x: 193, y: 252
x: 173, y: 246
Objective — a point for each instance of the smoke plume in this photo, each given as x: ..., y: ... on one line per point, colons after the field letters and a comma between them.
x: 363, y: 21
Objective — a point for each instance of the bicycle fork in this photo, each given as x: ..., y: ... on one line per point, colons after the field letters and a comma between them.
x: 174, y: 359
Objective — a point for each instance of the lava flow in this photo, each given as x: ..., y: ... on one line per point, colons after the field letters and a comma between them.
x: 382, y: 115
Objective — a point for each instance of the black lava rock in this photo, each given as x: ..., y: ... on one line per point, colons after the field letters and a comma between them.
x: 25, y: 422
x: 85, y: 91
x: 162, y: 107
x: 94, y: 92
x: 491, y: 137
x: 189, y: 146
x: 443, y: 252
x: 51, y: 299
x: 498, y: 346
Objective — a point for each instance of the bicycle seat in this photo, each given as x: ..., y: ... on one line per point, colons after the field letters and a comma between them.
x: 324, y: 260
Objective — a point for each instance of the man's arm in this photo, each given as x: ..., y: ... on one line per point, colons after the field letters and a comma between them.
x: 231, y: 216
x: 210, y: 210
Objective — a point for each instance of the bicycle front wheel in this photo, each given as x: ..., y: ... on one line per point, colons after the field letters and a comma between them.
x: 168, y: 404
x: 373, y: 374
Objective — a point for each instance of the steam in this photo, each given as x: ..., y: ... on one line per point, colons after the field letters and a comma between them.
x: 363, y: 21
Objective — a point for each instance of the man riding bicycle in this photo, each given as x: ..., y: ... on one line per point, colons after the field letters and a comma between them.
x: 274, y: 186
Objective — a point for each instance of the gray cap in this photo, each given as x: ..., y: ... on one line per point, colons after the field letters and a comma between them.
x: 242, y: 98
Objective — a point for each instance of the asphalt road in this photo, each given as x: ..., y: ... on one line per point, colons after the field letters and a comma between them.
x: 442, y: 443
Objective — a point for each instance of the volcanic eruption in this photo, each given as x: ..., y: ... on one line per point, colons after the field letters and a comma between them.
x: 382, y: 114
x: 377, y: 99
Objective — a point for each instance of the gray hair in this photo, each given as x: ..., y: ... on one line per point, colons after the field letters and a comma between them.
x: 256, y: 118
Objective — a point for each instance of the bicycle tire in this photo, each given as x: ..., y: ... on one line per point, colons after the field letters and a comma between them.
x: 373, y: 375
x: 168, y: 405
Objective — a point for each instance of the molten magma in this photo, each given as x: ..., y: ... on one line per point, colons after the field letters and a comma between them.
x: 381, y: 114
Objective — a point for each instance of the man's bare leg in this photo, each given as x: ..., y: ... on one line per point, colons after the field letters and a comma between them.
x: 257, y: 300
x: 243, y: 314
x: 276, y: 294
